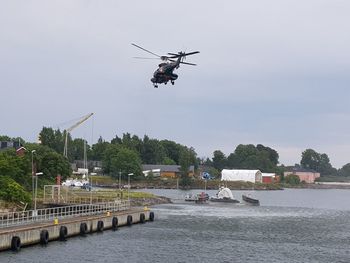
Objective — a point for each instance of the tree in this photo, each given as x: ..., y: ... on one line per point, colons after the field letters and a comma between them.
x: 116, y: 140
x: 126, y: 161
x: 168, y: 161
x: 5, y: 138
x: 345, y: 170
x: 245, y: 156
x: 152, y: 152
x: 185, y: 163
x: 49, y: 162
x: 16, y: 167
x: 110, y: 153
x: 311, y: 159
x: 250, y: 157
x: 271, y: 153
x: 219, y: 160
x: 132, y: 142
x: 76, y: 149
x: 53, y: 139
x: 52, y: 164
x: 98, y: 149
x: 172, y: 150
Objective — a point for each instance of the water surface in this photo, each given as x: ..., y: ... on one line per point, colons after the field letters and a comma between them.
x: 289, y: 226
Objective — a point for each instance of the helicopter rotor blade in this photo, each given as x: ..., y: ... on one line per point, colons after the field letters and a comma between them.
x: 145, y: 58
x: 181, y: 62
x: 145, y: 50
x: 188, y: 63
x: 182, y: 54
x: 191, y: 53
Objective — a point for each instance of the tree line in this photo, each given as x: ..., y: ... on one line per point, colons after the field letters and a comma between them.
x: 125, y: 155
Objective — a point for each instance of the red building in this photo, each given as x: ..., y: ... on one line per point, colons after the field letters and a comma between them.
x: 268, y: 178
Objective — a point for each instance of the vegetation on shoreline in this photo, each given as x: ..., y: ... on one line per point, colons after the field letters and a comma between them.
x: 124, y: 155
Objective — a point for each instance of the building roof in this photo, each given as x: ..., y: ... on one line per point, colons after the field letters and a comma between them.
x: 303, y: 170
x: 240, y: 171
x: 9, y: 144
x: 268, y: 174
x: 165, y: 168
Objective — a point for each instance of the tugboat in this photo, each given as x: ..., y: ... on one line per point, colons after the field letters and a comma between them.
x: 224, y: 195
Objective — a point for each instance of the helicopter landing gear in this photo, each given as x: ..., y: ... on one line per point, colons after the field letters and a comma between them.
x: 172, y: 82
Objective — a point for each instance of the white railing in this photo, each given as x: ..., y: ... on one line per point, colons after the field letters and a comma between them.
x: 49, y: 214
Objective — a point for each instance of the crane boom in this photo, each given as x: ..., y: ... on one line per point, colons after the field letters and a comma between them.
x: 83, y: 119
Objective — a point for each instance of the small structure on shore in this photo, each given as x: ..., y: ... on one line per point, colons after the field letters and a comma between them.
x: 307, y: 175
x: 170, y: 171
x: 254, y: 176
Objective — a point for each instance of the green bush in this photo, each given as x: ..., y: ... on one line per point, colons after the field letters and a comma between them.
x: 11, y: 191
x: 292, y: 179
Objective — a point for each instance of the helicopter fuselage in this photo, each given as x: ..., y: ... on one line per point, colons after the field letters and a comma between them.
x: 164, y: 73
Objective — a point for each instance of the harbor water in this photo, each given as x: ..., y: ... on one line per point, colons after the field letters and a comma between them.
x: 294, y: 225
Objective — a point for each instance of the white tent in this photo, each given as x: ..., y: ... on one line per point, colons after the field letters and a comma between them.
x: 253, y: 176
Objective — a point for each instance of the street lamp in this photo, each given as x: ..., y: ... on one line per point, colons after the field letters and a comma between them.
x: 36, y: 190
x: 33, y: 151
x: 120, y: 174
x: 129, y: 184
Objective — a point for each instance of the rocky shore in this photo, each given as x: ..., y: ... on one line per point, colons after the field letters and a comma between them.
x: 150, y: 201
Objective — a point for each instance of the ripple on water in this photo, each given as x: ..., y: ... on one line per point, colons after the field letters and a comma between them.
x: 210, y: 233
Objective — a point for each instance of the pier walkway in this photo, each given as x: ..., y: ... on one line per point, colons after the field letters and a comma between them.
x: 49, y: 214
x: 43, y: 227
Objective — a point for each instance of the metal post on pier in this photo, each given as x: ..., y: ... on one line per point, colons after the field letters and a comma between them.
x: 36, y: 192
x: 129, y: 186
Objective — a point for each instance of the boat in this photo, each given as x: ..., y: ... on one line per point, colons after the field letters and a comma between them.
x: 197, y: 198
x: 250, y: 200
x: 202, y: 198
x: 224, y: 195
x: 75, y: 183
x: 190, y: 197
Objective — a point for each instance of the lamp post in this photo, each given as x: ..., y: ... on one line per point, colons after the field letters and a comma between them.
x: 36, y: 190
x: 33, y: 195
x: 120, y: 174
x: 129, y: 185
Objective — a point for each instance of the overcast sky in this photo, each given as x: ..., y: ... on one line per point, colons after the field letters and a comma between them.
x: 274, y: 72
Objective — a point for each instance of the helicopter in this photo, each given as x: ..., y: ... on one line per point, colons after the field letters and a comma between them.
x: 164, y: 73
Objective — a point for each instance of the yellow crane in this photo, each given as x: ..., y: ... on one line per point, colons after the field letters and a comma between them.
x: 83, y: 119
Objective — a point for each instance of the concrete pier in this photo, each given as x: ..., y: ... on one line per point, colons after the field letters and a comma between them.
x: 16, y: 237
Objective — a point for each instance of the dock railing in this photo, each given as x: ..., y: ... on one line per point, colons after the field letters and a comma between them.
x: 63, y: 195
x: 49, y: 214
